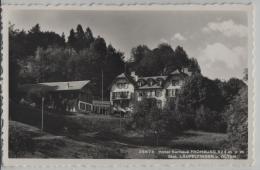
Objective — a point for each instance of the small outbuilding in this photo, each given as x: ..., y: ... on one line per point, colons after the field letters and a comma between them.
x: 69, y: 96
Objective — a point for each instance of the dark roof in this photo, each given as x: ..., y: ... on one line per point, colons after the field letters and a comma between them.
x: 155, y: 84
x: 126, y: 76
x: 152, y: 77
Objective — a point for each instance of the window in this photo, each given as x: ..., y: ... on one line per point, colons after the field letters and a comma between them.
x: 146, y: 93
x: 159, y: 103
x: 158, y: 93
x: 150, y: 82
x: 122, y: 85
x: 170, y: 92
x: 152, y: 93
x: 139, y: 83
x: 159, y: 82
x: 174, y: 82
x: 173, y: 92
x: 177, y: 91
x: 181, y: 82
x: 119, y: 85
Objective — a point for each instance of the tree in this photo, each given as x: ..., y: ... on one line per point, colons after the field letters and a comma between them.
x: 181, y: 57
x: 114, y: 65
x: 160, y: 61
x: 197, y: 92
x: 99, y: 46
x: 72, y: 39
x: 137, y: 53
x: 141, y: 111
x: 35, y: 29
x: 149, y: 118
x: 238, y: 122
x: 165, y: 58
x: 174, y: 121
x: 80, y: 39
x: 89, y: 37
x: 17, y: 51
x: 231, y: 89
x: 210, y: 120
x: 194, y: 66
x: 63, y: 39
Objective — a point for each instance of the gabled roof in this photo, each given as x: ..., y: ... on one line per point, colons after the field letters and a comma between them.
x: 126, y: 76
x: 175, y: 72
x: 122, y: 75
x: 155, y: 84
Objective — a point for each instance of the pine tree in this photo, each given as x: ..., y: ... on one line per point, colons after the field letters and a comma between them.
x: 80, y: 38
x: 181, y: 57
x: 89, y: 37
x: 36, y: 29
x: 72, y: 39
x: 63, y: 39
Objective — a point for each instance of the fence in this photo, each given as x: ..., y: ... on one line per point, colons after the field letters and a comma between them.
x: 84, y: 106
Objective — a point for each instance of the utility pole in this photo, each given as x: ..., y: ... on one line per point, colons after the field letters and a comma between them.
x: 102, y: 90
x: 42, y: 113
x: 120, y: 123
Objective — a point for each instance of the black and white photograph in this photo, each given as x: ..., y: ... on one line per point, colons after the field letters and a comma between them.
x: 119, y: 83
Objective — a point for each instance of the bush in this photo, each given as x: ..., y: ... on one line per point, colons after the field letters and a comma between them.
x: 238, y: 122
x: 174, y: 122
x: 20, y: 142
x: 209, y: 120
x: 202, y: 103
x: 197, y: 91
x: 149, y: 118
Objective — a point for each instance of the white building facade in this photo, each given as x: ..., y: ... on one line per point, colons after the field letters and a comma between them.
x: 122, y: 93
x: 126, y: 89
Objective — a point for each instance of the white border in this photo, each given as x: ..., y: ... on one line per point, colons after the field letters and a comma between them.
x: 127, y: 162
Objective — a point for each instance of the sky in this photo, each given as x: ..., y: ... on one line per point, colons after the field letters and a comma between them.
x: 217, y: 39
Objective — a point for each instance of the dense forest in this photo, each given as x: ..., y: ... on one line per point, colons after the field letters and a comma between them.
x: 45, y: 56
x: 38, y: 56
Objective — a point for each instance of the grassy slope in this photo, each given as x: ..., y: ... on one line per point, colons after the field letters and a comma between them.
x: 50, y: 146
x: 45, y: 145
x: 92, y: 136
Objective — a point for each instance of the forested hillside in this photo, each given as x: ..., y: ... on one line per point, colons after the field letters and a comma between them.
x: 38, y: 56
x: 45, y: 56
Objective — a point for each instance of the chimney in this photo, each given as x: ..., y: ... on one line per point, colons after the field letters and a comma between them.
x: 186, y: 71
x: 134, y: 76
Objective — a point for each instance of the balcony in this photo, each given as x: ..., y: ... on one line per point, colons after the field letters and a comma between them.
x: 120, y: 95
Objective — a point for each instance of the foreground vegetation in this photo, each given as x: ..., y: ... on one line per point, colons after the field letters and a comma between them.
x: 29, y: 142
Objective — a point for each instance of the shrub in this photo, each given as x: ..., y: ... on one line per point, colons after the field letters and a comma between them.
x: 201, y: 102
x: 209, y: 120
x: 20, y: 142
x: 238, y: 122
x: 149, y: 118
x: 174, y: 122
